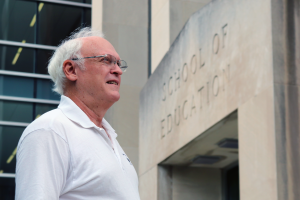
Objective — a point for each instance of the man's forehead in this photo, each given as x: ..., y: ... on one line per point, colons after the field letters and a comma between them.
x: 96, y: 45
x: 93, y: 39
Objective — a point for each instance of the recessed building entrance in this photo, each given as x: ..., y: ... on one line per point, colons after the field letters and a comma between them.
x: 205, y: 168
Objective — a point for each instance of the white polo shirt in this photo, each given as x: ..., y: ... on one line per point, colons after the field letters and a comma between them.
x: 64, y: 155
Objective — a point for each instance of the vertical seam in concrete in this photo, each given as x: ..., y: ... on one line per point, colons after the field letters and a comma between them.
x: 273, y: 94
x: 291, y: 99
x: 274, y: 9
x: 149, y: 37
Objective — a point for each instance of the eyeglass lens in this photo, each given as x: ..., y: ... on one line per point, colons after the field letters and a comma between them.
x: 112, y: 60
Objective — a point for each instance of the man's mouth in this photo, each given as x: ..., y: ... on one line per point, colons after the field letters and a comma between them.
x: 112, y: 82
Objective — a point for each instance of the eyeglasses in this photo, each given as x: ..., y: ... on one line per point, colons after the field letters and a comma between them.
x: 109, y: 60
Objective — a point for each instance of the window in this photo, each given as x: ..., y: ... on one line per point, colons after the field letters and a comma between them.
x: 9, y: 138
x: 16, y: 19
x: 29, y: 33
x: 57, y: 21
x: 15, y: 58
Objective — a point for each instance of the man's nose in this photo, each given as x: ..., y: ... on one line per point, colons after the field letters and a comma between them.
x: 116, y: 69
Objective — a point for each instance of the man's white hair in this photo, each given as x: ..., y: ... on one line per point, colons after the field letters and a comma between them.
x: 69, y: 48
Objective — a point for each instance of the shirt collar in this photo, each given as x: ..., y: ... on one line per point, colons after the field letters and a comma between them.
x: 74, y: 113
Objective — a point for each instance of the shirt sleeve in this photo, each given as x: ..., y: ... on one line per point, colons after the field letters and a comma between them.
x: 42, y: 166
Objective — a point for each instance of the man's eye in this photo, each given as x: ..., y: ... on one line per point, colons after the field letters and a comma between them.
x: 104, y: 60
x: 107, y: 60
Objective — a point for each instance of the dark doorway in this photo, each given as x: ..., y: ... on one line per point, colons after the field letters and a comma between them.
x: 232, y: 184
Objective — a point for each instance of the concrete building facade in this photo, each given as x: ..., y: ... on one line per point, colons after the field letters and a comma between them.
x: 219, y: 116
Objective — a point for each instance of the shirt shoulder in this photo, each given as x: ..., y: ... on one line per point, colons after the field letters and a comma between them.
x: 54, y: 121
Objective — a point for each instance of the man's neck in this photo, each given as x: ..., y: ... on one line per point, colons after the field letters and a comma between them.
x: 94, y: 111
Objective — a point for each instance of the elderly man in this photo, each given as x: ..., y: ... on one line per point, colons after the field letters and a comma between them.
x: 72, y: 152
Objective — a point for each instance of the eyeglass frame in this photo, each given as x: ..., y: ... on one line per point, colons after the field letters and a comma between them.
x: 123, y: 68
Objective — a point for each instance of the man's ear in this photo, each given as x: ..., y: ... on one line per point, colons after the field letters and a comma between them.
x: 70, y: 70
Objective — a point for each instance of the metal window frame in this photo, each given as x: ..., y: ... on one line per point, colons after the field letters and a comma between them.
x: 7, y: 175
x: 8, y: 123
x: 27, y: 45
x: 30, y: 100
x: 67, y: 3
x: 24, y: 74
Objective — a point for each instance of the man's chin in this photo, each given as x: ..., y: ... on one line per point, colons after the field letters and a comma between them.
x: 114, y: 98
